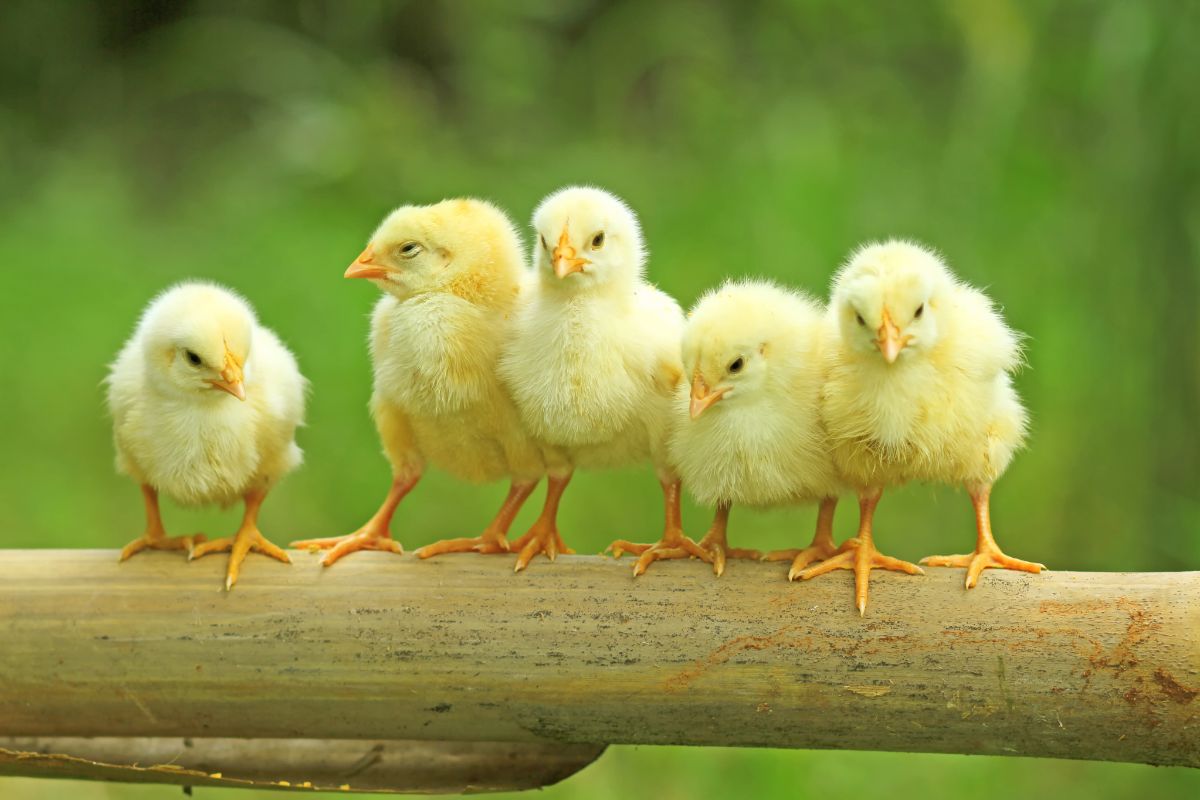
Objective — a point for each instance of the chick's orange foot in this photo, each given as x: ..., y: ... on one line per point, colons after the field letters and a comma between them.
x: 674, y: 544
x: 822, y: 546
x: 715, y: 543
x: 857, y: 554
x: 975, y: 563
x: 543, y: 537
x: 494, y: 538
x: 802, y: 557
x: 160, y: 541
x: 487, y: 543
x: 365, y: 538
x: 246, y: 539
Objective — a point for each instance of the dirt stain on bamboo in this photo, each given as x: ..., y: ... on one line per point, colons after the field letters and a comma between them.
x: 1173, y: 689
x: 784, y: 637
x: 1145, y: 689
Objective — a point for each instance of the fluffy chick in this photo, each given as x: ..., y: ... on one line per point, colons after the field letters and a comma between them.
x: 749, y: 431
x: 451, y: 274
x: 918, y: 388
x: 205, y: 405
x: 594, y: 360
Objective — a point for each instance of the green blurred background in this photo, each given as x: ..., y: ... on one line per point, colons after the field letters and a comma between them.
x: 1049, y: 149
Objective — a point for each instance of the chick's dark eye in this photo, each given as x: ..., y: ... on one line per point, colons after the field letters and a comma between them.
x: 920, y: 311
x: 409, y: 249
x: 598, y: 240
x: 737, y: 365
x: 544, y: 245
x: 192, y: 358
x: 861, y: 321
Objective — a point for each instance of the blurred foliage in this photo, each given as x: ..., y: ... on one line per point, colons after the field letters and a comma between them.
x: 1049, y: 149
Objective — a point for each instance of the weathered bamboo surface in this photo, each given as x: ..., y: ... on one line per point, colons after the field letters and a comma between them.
x: 300, y: 764
x: 1075, y: 665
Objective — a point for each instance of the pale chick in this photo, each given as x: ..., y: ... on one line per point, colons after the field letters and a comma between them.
x: 594, y: 360
x: 918, y: 387
x: 451, y: 274
x: 749, y: 430
x: 205, y: 405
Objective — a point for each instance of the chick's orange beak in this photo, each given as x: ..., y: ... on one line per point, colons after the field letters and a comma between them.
x: 889, y: 340
x: 702, y: 396
x: 365, y: 267
x: 565, y: 258
x: 231, y: 377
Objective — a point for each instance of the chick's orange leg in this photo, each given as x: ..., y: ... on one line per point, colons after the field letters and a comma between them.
x: 494, y: 538
x: 155, y: 537
x: 247, y: 538
x: 374, y: 535
x: 987, y: 552
x: 822, y: 546
x: 673, y: 544
x: 543, y: 537
x: 859, y: 554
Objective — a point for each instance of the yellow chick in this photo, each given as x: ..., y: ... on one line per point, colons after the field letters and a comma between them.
x: 205, y: 405
x: 451, y: 274
x: 917, y: 388
x: 594, y: 360
x: 750, y: 431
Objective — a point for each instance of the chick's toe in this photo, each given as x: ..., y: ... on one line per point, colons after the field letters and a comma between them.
x: 674, y: 544
x: 487, y: 542
x: 543, y: 537
x: 160, y: 541
x: 239, y: 545
x: 975, y: 563
x: 859, y: 555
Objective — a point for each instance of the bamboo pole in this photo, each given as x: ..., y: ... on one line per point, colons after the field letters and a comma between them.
x: 1076, y: 665
x: 300, y: 764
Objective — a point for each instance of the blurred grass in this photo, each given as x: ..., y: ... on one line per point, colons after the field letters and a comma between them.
x: 1050, y: 150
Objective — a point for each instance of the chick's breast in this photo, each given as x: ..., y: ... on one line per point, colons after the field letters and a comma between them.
x: 596, y: 376
x: 437, y: 392
x: 770, y: 449
x: 211, y: 452
x: 953, y: 417
x: 432, y: 354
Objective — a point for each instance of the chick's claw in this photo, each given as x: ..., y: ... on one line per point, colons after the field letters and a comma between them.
x: 860, y: 556
x: 674, y: 544
x: 487, y: 543
x: 980, y: 560
x: 161, y: 542
x: 540, y: 539
x: 721, y: 553
x: 801, y: 557
x: 339, y: 546
x: 716, y: 543
x: 622, y: 546
x: 239, y: 545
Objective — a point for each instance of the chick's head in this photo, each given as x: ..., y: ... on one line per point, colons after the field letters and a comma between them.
x: 198, y: 338
x: 887, y: 299
x: 587, y: 239
x: 465, y: 246
x: 736, y: 341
